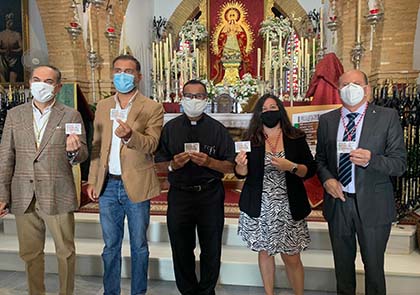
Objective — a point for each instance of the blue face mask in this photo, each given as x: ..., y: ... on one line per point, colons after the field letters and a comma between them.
x: 123, y: 82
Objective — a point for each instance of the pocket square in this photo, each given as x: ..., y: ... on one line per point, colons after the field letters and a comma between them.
x: 59, y: 127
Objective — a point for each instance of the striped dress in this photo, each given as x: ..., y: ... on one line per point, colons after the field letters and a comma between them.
x: 274, y: 230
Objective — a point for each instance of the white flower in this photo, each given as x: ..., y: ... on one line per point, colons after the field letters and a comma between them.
x: 193, y: 30
x: 275, y: 27
x: 245, y: 88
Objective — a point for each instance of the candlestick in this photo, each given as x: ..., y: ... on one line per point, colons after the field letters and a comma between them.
x: 90, y: 28
x: 266, y: 66
x: 313, y: 53
x: 191, y: 67
x: 124, y: 37
x: 154, y: 62
x: 170, y: 45
x: 259, y: 63
x: 197, y: 61
x: 307, y: 70
x: 168, y: 80
x: 182, y: 72
x: 160, y: 60
x: 275, y: 81
x: 321, y: 24
x: 269, y: 61
x: 359, y: 20
x: 166, y: 51
x: 175, y: 65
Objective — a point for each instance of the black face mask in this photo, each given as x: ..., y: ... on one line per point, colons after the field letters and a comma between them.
x: 270, y: 118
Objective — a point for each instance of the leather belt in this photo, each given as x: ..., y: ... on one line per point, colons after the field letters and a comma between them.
x: 113, y: 176
x: 350, y: 195
x: 196, y: 188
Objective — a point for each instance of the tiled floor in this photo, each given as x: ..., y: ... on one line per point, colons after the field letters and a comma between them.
x: 14, y: 283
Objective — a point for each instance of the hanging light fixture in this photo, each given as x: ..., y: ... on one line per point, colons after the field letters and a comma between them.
x: 110, y: 31
x: 332, y: 22
x: 375, y: 15
x: 74, y: 29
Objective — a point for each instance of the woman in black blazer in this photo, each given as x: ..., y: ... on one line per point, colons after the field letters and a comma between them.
x: 273, y: 201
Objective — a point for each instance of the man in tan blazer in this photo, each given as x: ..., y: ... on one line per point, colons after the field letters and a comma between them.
x: 36, y: 180
x: 127, y: 128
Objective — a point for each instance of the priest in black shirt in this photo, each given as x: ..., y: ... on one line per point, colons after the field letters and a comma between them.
x: 196, y: 194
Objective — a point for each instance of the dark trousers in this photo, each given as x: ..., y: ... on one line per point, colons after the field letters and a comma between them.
x: 188, y: 211
x: 343, y: 228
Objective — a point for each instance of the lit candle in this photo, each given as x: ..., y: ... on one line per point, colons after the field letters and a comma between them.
x: 90, y: 28
x: 359, y: 20
x: 259, y: 63
x: 197, y: 61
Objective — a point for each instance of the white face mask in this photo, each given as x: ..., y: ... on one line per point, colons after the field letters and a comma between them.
x: 193, y: 107
x: 42, y: 92
x: 352, y: 94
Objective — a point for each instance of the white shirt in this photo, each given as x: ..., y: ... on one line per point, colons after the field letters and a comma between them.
x: 40, y: 121
x: 114, y: 163
x: 351, y: 187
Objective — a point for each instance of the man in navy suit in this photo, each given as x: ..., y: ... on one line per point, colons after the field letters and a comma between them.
x: 360, y: 146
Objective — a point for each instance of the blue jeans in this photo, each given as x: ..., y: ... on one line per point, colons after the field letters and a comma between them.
x: 114, y: 205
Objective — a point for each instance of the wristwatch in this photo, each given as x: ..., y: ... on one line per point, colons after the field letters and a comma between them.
x: 294, y: 168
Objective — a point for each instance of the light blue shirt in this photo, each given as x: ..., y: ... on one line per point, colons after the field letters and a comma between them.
x: 351, y: 187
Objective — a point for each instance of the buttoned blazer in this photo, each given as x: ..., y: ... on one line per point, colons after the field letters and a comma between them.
x: 382, y: 135
x: 46, y: 172
x: 137, y: 167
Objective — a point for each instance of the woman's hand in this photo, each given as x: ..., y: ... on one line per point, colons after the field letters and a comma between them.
x: 241, y: 161
x: 282, y: 164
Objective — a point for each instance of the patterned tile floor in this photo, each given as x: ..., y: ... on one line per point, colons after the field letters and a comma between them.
x: 14, y: 283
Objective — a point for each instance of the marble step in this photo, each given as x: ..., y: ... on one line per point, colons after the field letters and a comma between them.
x: 402, y: 239
x: 239, y: 265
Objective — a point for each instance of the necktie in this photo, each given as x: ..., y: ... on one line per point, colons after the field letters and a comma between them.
x: 344, y: 166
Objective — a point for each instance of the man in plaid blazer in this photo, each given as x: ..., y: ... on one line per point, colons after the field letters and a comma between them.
x: 36, y: 180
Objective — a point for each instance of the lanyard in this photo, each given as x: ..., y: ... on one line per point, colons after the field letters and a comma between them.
x: 350, y: 132
x: 38, y: 132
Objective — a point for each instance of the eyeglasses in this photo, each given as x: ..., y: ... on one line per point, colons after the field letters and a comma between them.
x: 195, y: 95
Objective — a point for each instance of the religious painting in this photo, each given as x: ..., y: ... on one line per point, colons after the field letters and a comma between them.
x: 13, y: 39
x: 234, y: 38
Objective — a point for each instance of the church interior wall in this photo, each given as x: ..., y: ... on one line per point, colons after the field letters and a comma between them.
x: 397, y: 36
